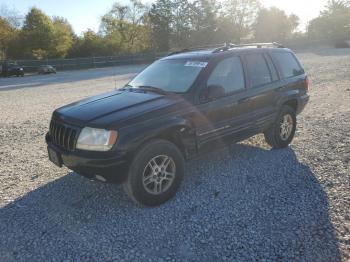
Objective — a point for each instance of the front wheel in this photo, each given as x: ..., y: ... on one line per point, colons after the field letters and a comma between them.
x: 281, y: 133
x: 155, y: 173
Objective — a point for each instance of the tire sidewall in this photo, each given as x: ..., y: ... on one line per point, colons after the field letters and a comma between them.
x: 138, y: 165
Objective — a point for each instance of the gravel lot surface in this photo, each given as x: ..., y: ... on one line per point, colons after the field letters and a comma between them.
x: 242, y: 203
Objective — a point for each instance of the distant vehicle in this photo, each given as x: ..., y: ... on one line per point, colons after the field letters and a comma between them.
x: 141, y: 134
x: 11, y: 70
x: 46, y: 69
x: 15, y: 70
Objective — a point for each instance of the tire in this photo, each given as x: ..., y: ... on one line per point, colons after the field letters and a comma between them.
x: 142, y: 184
x: 280, y: 137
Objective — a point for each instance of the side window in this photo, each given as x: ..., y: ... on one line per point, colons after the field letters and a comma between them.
x: 272, y: 68
x: 258, y: 71
x: 288, y: 64
x: 228, y: 73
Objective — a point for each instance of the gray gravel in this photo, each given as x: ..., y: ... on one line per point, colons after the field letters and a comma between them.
x: 242, y: 203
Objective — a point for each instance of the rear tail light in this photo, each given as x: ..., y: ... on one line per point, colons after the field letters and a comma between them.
x: 306, y: 83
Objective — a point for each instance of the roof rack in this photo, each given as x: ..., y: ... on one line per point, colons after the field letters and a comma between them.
x: 196, y: 48
x: 226, y: 46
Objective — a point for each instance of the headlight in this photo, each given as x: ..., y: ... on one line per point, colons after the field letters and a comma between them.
x: 95, y: 139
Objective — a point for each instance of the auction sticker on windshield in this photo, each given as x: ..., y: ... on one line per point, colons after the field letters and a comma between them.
x: 196, y: 63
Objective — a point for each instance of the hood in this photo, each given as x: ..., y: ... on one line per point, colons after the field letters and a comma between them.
x: 112, y: 107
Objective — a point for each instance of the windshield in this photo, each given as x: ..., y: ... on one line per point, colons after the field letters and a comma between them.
x: 169, y: 75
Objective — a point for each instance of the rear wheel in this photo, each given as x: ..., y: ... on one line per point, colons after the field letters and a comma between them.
x: 155, y: 173
x: 281, y: 133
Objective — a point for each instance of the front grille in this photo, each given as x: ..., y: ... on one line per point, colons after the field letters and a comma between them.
x: 62, y: 135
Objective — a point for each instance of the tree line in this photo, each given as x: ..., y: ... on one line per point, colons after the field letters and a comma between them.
x: 165, y: 25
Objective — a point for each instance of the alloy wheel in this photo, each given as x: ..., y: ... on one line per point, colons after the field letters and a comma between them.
x: 159, y: 174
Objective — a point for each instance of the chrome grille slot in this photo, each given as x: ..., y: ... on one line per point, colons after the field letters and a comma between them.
x: 62, y: 135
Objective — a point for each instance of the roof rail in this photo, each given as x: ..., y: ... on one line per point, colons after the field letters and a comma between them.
x: 258, y: 45
x: 203, y: 47
x: 225, y: 47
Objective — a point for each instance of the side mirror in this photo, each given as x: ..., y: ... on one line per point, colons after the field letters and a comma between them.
x: 215, y: 91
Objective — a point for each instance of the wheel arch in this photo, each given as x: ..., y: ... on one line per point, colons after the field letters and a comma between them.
x: 177, y: 130
x: 292, y: 102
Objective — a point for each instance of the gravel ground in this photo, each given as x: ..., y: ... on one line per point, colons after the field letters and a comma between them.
x: 242, y: 203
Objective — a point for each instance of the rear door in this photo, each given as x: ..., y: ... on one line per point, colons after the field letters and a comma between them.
x: 263, y: 84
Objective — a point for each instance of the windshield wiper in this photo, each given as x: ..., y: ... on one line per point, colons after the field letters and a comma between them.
x: 152, y: 88
x: 144, y: 88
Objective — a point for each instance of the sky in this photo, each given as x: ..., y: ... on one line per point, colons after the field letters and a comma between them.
x: 86, y: 14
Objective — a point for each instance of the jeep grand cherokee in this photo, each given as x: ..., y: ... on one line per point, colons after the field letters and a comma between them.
x: 142, y: 133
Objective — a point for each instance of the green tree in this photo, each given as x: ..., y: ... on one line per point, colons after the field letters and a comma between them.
x: 161, y: 18
x: 37, y: 35
x: 62, y: 37
x: 204, y: 18
x: 7, y: 35
x: 181, y: 23
x: 333, y: 24
x: 237, y: 18
x: 125, y: 26
x: 90, y: 44
x: 274, y: 24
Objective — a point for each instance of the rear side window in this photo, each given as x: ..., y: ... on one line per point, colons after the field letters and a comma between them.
x: 258, y: 70
x: 228, y: 73
x: 288, y: 64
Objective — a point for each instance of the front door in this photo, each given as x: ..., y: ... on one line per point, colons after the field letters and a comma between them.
x: 215, y: 118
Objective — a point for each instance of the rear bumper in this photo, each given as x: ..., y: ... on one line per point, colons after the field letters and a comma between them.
x: 302, y: 101
x: 113, y: 168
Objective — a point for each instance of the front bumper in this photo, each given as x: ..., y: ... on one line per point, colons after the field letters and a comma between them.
x: 113, y: 168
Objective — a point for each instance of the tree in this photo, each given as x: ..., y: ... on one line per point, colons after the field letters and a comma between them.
x: 6, y: 35
x: 11, y: 16
x: 274, y: 25
x: 91, y: 44
x: 181, y: 23
x: 62, y: 37
x: 125, y: 26
x: 333, y: 24
x: 204, y: 18
x: 37, y: 35
x: 161, y: 18
x: 237, y: 18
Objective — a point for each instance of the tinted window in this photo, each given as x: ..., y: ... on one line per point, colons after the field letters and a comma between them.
x: 272, y: 67
x: 258, y: 71
x: 228, y: 73
x: 169, y: 75
x: 288, y: 64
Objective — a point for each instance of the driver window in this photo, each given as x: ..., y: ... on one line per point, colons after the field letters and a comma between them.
x: 228, y: 73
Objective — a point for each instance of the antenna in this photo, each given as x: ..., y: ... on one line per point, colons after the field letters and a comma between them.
x: 115, y: 75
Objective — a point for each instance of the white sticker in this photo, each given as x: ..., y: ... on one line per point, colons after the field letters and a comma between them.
x: 196, y: 63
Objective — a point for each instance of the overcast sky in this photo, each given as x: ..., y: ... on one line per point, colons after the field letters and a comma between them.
x: 84, y: 14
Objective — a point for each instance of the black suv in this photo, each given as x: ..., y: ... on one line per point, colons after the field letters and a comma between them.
x: 142, y: 133
x: 11, y: 70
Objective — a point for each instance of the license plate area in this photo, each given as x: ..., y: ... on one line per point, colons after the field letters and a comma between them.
x: 55, y: 157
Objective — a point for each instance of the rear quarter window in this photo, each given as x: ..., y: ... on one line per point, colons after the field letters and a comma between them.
x: 288, y: 64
